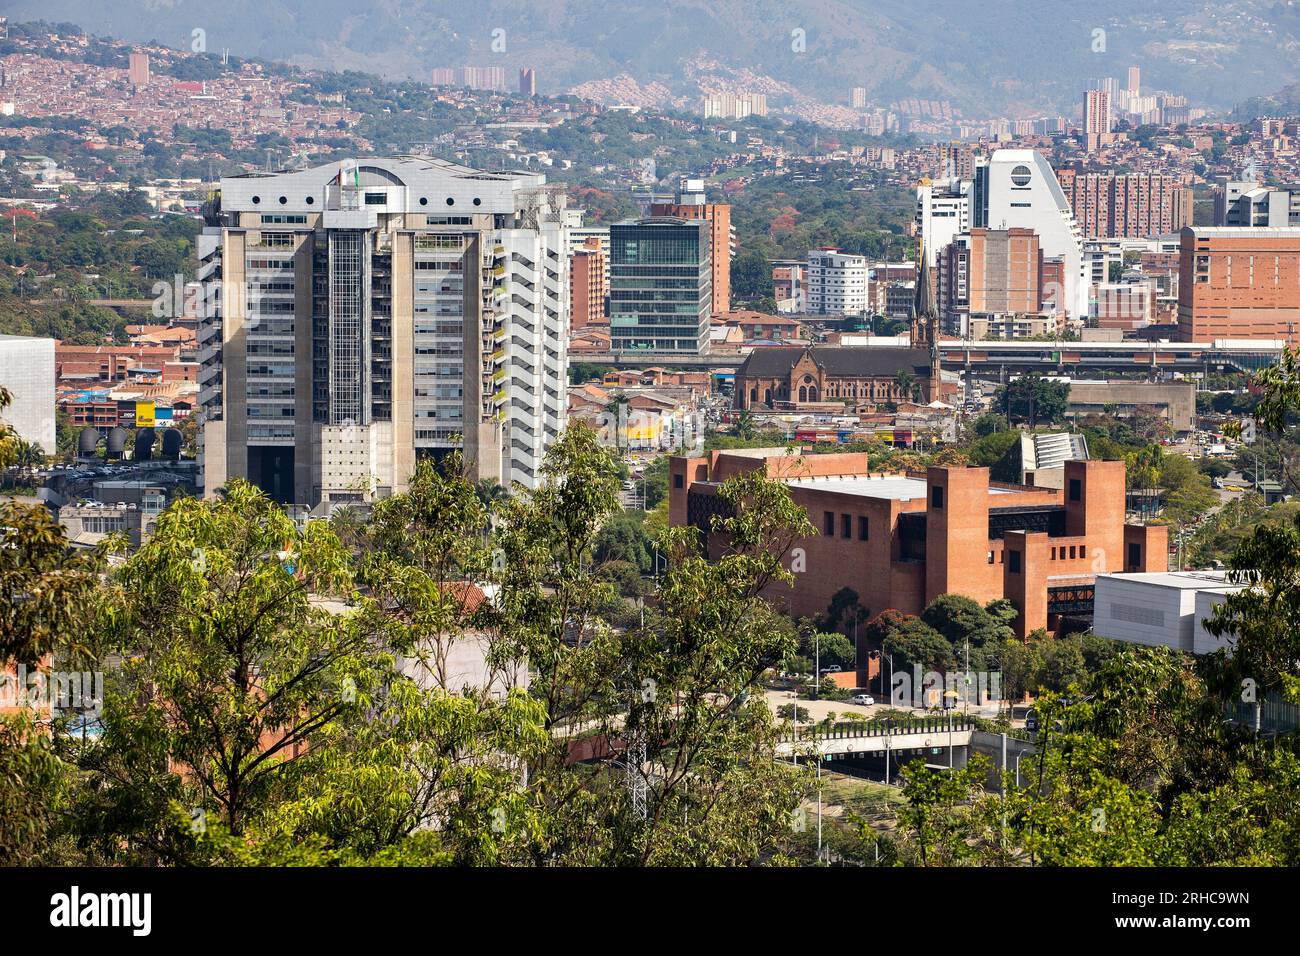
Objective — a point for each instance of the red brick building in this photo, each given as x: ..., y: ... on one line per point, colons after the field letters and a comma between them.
x: 1126, y: 205
x: 900, y: 541
x: 1237, y: 282
x: 587, y: 286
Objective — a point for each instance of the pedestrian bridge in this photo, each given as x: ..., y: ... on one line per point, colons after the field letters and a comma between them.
x: 876, y: 736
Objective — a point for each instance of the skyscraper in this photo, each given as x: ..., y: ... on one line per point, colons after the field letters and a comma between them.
x: 1096, y: 117
x: 660, y: 285
x: 528, y: 81
x: 364, y: 314
x: 1134, y: 81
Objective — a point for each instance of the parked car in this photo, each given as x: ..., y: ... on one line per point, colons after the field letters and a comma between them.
x: 866, y: 700
x: 831, y: 669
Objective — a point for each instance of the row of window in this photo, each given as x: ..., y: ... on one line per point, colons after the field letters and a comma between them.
x: 846, y: 526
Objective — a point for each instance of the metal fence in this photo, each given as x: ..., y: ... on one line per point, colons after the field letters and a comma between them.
x: 879, y: 728
x: 1266, y: 716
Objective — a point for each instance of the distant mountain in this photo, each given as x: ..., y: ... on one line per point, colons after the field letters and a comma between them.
x: 995, y: 56
x: 1285, y: 102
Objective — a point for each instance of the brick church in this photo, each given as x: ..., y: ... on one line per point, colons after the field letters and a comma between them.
x: 789, y: 377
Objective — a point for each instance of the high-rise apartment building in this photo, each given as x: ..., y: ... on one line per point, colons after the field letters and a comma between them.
x: 1134, y: 81
x: 837, y: 283
x: 363, y: 314
x: 443, y: 76
x: 956, y: 161
x: 734, y: 105
x: 859, y: 97
x: 138, y: 70
x: 1096, y: 117
x: 1239, y: 283
x: 588, y: 284
x: 528, y: 81
x: 491, y: 78
x: 691, y: 204
x: 660, y: 285
x: 1127, y: 205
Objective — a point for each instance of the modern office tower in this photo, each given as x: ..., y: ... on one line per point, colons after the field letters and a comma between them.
x: 363, y: 314
x: 660, y: 285
x: 1238, y: 203
x: 138, y: 70
x: 1239, y: 283
x: 1128, y: 205
x: 528, y: 81
x: 588, y: 284
x: 837, y: 283
x: 27, y: 371
x: 859, y: 97
x: 943, y: 211
x: 1096, y: 117
x: 1018, y: 189
x: 691, y: 204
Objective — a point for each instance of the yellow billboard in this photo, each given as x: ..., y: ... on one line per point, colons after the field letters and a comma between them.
x: 144, y: 415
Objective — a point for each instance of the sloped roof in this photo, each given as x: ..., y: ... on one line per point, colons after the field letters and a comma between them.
x: 839, y: 360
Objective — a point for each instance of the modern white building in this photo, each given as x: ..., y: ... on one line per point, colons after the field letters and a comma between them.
x: 27, y: 371
x: 837, y: 283
x: 1161, y: 608
x: 943, y: 212
x: 363, y: 314
x: 1018, y: 189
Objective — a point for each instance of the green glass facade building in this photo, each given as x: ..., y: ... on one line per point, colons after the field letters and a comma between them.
x: 660, y: 286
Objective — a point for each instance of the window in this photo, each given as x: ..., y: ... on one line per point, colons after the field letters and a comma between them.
x: 678, y: 481
x: 828, y: 523
x: 862, y: 527
x: 1076, y: 489
x: 936, y: 497
x: 1013, y: 562
x: 376, y: 199
x: 846, y: 526
x: 1073, y: 554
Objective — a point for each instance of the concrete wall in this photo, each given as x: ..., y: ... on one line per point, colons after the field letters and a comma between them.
x: 1176, y: 400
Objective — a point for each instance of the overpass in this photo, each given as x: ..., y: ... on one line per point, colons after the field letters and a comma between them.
x: 1077, y: 358
x: 905, y: 737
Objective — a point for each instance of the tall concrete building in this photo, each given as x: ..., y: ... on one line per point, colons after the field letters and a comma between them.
x: 691, y: 204
x: 528, y: 81
x: 1239, y: 283
x: 27, y: 371
x: 660, y: 285
x: 362, y: 314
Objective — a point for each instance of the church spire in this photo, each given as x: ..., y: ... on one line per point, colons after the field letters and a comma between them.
x: 925, y: 325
